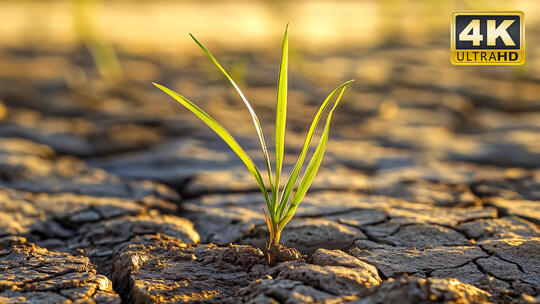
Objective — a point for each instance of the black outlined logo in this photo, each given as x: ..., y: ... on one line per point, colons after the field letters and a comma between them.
x: 487, y: 38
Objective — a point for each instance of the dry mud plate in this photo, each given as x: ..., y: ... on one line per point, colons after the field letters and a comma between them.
x: 429, y: 191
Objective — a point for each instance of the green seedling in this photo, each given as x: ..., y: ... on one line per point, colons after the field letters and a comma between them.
x: 281, y: 204
x: 103, y: 53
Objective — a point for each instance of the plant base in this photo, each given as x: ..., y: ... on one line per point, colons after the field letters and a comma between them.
x: 279, y: 253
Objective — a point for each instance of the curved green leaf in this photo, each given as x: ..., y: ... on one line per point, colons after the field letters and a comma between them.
x: 216, y: 127
x: 311, y: 169
x: 254, y: 117
x: 300, y: 161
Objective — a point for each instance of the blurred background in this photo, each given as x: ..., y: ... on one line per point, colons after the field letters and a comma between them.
x: 431, y: 169
x: 76, y: 76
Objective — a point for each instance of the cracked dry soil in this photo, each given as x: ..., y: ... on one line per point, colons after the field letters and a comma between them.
x: 429, y: 191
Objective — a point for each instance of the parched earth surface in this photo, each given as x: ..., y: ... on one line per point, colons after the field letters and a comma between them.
x: 429, y: 191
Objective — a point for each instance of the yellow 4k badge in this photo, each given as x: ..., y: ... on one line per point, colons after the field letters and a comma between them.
x: 487, y: 38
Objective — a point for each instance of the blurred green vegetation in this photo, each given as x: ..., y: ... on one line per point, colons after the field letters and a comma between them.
x: 103, y: 53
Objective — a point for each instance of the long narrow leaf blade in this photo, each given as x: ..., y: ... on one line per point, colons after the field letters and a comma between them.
x: 299, y: 163
x: 216, y: 127
x: 312, y: 167
x: 311, y: 171
x: 281, y: 109
x: 254, y: 117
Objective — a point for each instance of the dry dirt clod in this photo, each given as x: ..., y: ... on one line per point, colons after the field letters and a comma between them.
x: 411, y: 290
x: 159, y: 268
x: 31, y: 274
x: 280, y: 253
x: 406, y: 290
